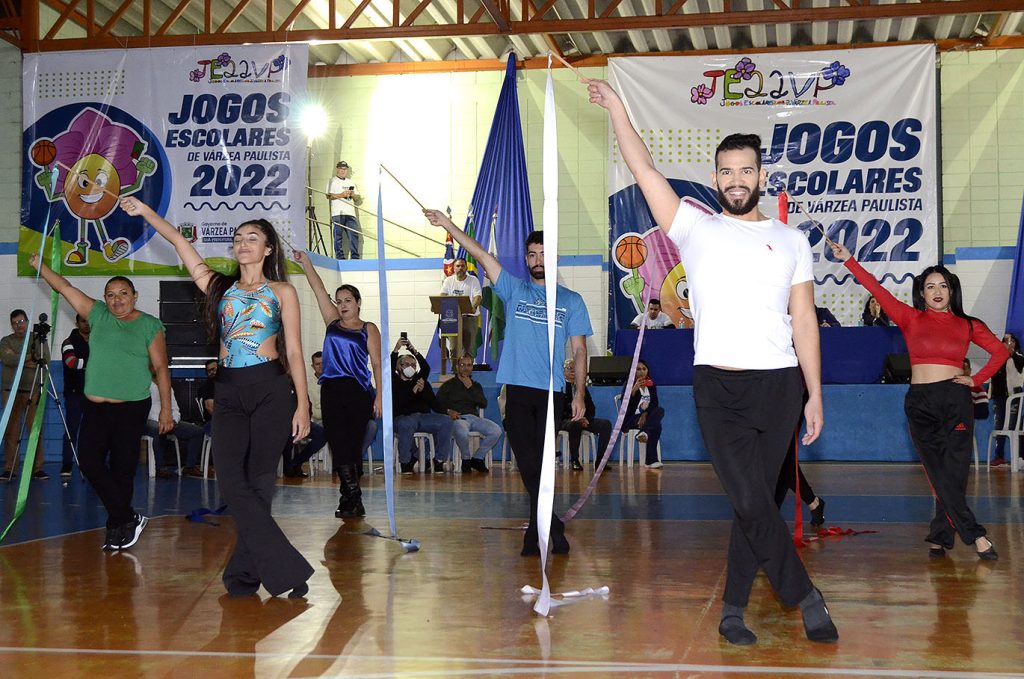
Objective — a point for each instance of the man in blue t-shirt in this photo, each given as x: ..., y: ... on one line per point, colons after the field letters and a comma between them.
x: 525, y: 370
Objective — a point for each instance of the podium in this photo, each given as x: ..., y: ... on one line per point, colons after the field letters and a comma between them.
x: 449, y: 309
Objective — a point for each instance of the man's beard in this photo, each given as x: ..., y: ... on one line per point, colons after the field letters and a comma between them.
x: 741, y: 207
x: 537, y: 273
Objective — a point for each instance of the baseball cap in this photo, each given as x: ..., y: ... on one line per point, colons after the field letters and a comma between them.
x: 342, y: 164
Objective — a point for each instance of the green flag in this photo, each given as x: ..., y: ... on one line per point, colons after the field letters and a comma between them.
x: 496, y: 307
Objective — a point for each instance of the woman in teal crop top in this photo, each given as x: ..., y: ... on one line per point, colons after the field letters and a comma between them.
x: 256, y: 407
x: 123, y: 343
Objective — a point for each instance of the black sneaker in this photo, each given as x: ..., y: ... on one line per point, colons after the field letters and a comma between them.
x: 408, y: 467
x: 438, y: 466
x: 65, y: 472
x: 132, y: 530
x: 576, y: 466
x: 113, y: 538
x: 479, y: 465
x: 467, y: 466
x: 40, y: 475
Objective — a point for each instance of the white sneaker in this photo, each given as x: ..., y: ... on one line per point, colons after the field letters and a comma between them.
x: 655, y: 465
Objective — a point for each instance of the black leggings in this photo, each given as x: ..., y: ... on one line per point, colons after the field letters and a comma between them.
x: 114, y: 429
x: 346, y: 408
x: 746, y: 417
x: 254, y: 407
x: 941, y: 419
x: 525, y: 416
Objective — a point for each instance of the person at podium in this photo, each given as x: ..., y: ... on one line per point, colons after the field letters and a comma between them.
x: 461, y: 284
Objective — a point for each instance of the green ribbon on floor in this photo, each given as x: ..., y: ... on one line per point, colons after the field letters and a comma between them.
x: 37, y: 424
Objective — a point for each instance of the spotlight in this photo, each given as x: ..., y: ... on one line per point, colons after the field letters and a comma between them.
x: 313, y: 121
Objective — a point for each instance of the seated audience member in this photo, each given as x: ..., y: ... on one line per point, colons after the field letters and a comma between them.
x: 825, y: 318
x: 24, y: 394
x: 190, y: 438
x: 1007, y: 381
x: 873, y: 314
x: 644, y: 413
x: 654, y: 319
x: 597, y: 425
x: 298, y: 454
x: 417, y: 409
x: 463, y: 397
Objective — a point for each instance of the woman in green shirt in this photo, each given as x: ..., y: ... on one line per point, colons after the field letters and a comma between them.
x: 123, y: 343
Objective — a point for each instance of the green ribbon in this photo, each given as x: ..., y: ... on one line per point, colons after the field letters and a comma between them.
x: 37, y: 424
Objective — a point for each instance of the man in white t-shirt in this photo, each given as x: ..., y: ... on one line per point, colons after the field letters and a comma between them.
x: 343, y: 198
x: 654, y: 319
x: 461, y: 284
x: 751, y: 290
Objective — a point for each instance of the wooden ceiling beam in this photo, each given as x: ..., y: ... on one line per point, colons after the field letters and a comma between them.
x: 501, y: 24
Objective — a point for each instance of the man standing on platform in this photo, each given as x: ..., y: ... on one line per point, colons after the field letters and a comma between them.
x: 654, y: 319
x: 524, y: 368
x: 461, y: 284
x: 751, y: 285
x: 463, y: 397
x: 343, y: 198
x: 74, y: 354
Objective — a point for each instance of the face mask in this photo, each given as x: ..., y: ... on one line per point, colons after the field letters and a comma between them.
x: 409, y: 371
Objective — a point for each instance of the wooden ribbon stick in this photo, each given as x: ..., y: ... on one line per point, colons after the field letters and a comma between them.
x: 812, y: 220
x: 422, y: 206
x: 87, y: 180
x: 582, y: 78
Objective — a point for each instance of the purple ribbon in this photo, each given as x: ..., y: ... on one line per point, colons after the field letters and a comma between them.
x: 617, y: 429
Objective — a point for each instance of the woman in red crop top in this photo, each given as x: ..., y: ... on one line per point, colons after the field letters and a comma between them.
x: 939, y: 408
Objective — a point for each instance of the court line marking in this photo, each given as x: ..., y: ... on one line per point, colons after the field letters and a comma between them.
x: 562, y: 666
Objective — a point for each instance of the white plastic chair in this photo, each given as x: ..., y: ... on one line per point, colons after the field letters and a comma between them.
x: 1013, y: 429
x: 423, y: 441
x: 588, y: 447
x: 205, y: 457
x: 148, y: 440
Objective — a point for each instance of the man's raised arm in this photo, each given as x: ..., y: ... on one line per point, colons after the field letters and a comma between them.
x: 491, y: 266
x: 660, y: 195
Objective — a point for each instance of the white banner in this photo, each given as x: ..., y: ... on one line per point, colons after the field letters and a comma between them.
x: 206, y: 135
x: 851, y: 134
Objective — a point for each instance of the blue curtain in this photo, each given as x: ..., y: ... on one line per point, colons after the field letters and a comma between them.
x: 502, y: 187
x: 1015, y: 309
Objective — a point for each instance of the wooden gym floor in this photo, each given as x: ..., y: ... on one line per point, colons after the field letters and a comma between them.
x: 656, y: 539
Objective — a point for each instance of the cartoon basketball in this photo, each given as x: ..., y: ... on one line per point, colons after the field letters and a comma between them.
x: 43, y: 152
x: 631, y: 252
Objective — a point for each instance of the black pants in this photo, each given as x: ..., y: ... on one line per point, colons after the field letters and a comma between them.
x: 254, y: 407
x: 788, y: 480
x: 575, y: 429
x: 941, y: 419
x: 108, y: 453
x: 525, y: 417
x: 346, y: 408
x: 746, y: 418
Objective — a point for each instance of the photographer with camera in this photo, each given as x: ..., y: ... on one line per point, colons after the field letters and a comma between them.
x: 24, y: 396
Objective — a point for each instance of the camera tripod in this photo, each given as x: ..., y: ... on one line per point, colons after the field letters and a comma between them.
x: 42, y: 379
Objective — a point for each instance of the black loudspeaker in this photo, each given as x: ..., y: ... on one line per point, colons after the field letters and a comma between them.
x: 609, y: 370
x: 897, y: 369
x: 181, y: 312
